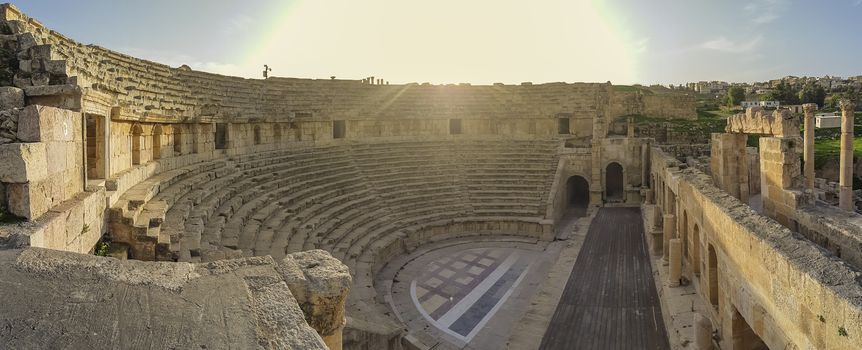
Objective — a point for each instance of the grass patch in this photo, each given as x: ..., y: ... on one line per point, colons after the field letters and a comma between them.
x: 102, y: 247
x: 824, y: 150
x: 707, y: 122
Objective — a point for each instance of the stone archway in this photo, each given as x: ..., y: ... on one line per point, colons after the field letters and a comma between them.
x: 712, y: 276
x: 178, y: 139
x: 614, y: 187
x: 136, y: 144
x: 157, y: 142
x: 742, y: 335
x: 577, y: 195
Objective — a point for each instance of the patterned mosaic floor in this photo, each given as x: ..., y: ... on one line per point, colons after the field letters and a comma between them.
x: 460, y: 292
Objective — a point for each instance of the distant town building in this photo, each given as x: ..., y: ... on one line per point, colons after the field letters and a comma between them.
x: 764, y: 104
x: 827, y: 120
x: 793, y: 108
x: 711, y: 87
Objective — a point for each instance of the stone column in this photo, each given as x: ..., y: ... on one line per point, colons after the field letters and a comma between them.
x: 675, y: 257
x: 845, y: 193
x: 320, y: 284
x: 808, y: 153
x: 669, y: 222
x: 650, y: 196
x: 645, y: 164
x: 631, y: 127
x: 106, y: 142
x: 702, y: 332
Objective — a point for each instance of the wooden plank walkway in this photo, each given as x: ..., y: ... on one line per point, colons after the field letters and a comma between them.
x: 610, y: 300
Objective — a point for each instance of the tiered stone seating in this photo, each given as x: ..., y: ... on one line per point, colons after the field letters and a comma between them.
x: 347, y: 199
x: 139, y: 213
x: 362, y: 202
x: 510, y: 179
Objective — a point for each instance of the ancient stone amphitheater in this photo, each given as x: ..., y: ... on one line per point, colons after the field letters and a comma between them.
x: 314, y: 214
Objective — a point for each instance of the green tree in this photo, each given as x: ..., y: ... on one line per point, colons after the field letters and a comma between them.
x: 770, y: 96
x: 787, y: 94
x: 735, y: 96
x: 812, y: 93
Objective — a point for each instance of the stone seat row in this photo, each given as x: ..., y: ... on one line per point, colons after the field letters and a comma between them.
x: 239, y: 218
x: 363, y: 203
x: 294, y: 194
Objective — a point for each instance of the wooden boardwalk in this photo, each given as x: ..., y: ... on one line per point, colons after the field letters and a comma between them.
x: 610, y: 300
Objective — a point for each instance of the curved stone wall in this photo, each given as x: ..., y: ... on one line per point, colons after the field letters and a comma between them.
x: 177, y: 165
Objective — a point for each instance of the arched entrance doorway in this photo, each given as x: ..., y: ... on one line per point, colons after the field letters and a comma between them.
x: 157, y: 142
x: 614, y: 182
x: 136, y: 144
x: 578, y: 195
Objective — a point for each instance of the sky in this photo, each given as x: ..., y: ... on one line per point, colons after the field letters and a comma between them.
x: 477, y: 41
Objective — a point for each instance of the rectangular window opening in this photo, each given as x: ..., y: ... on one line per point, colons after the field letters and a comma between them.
x: 338, y: 129
x: 454, y: 126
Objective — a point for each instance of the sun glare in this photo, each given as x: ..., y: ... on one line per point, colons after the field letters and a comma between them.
x: 446, y: 41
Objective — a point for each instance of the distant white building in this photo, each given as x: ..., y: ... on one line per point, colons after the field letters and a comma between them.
x: 796, y: 108
x: 827, y: 120
x: 764, y: 104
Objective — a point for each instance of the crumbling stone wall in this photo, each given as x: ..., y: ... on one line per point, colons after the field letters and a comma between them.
x: 790, y: 292
x: 670, y: 106
x: 9, y: 125
x: 729, y: 164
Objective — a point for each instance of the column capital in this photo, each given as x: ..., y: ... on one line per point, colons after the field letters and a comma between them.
x: 847, y: 105
x: 809, y: 108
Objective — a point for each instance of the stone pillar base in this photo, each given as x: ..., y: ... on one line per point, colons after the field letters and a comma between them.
x: 675, y: 256
x: 702, y: 332
x: 669, y: 226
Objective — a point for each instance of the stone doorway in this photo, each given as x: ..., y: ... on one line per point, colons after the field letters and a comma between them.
x: 178, y: 139
x: 95, y: 147
x: 157, y: 142
x: 221, y: 136
x: 743, y: 337
x: 614, y: 191
x: 577, y: 195
x: 712, y: 276
x: 137, y: 132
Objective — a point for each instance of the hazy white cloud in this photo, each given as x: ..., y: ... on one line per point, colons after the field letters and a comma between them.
x: 642, y: 45
x: 724, y: 44
x: 238, y: 23
x: 174, y: 59
x: 765, y: 11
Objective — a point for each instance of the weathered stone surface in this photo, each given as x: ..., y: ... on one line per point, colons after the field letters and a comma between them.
x: 43, y: 123
x: 230, y: 304
x: 320, y: 284
x: 9, y: 125
x: 22, y: 162
x: 11, y: 97
x: 60, y: 96
x: 758, y: 121
x: 753, y: 268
